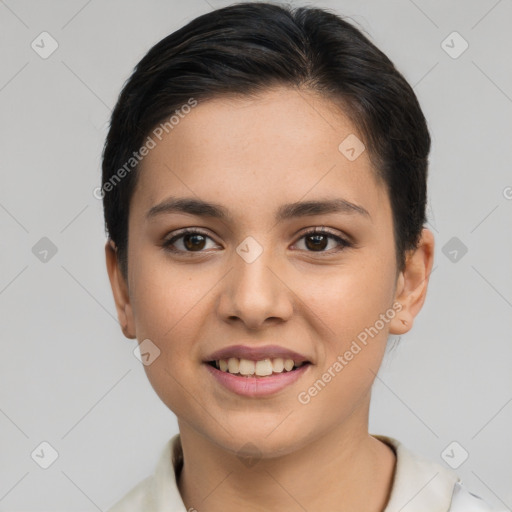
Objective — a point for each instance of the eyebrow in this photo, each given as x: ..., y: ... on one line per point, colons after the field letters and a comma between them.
x: 203, y: 208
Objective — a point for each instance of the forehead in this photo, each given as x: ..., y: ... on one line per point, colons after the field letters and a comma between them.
x: 283, y: 142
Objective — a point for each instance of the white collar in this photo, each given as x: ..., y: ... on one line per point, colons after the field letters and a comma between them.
x: 419, y: 485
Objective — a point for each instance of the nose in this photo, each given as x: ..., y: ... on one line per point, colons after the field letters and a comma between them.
x: 256, y: 293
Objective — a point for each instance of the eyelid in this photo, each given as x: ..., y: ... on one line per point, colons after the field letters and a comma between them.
x: 185, y: 231
x: 322, y: 230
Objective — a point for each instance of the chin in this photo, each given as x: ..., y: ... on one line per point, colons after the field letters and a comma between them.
x: 254, y: 437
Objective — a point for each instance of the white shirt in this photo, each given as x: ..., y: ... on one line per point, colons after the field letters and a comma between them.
x: 418, y: 485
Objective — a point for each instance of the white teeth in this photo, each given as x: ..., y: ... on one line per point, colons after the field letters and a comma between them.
x: 233, y: 365
x: 246, y: 367
x: 261, y: 368
x: 278, y: 364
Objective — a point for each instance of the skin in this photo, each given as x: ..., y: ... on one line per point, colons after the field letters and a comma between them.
x: 253, y: 155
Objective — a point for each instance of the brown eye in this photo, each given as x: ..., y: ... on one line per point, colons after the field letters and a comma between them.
x: 316, y: 242
x: 188, y: 241
x: 194, y: 242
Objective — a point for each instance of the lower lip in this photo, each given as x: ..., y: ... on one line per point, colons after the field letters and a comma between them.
x: 257, y: 386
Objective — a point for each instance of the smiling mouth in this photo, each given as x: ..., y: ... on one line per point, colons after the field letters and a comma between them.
x: 260, y: 368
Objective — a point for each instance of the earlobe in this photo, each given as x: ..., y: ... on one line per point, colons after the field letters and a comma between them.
x: 412, y: 283
x: 119, y: 290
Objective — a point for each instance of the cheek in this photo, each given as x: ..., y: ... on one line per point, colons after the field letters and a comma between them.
x: 349, y: 299
x: 351, y: 352
x: 166, y: 295
x: 350, y: 303
x: 170, y: 306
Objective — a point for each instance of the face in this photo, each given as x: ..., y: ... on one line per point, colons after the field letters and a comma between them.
x: 256, y: 280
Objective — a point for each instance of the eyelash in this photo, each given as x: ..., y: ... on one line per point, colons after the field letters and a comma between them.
x: 343, y: 243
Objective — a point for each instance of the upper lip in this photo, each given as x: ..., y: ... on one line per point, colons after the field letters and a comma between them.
x: 256, y: 353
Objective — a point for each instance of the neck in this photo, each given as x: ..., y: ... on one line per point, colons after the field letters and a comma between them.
x: 338, y: 471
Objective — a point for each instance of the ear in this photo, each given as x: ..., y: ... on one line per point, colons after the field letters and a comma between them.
x: 120, y: 291
x: 411, y: 288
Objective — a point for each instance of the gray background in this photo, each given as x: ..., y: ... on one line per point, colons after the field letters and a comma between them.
x: 70, y: 378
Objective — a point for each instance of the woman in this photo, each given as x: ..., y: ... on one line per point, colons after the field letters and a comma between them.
x: 264, y: 188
